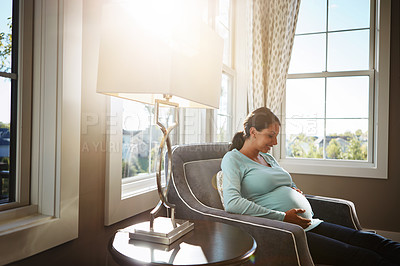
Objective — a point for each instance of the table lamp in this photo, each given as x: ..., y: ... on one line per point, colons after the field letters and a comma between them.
x: 161, y: 53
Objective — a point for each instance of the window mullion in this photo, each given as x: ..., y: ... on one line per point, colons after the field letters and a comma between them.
x: 326, y: 35
x: 331, y: 31
x: 8, y: 75
x: 331, y: 74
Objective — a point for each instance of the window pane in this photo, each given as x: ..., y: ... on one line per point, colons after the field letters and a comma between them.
x: 347, y: 139
x: 224, y: 9
x: 348, y: 50
x: 225, y: 35
x: 308, y: 54
x: 347, y: 97
x: 304, y: 138
x: 5, y: 35
x: 193, y: 127
x: 141, y: 137
x: 223, y: 100
x: 136, y: 137
x: 224, y: 116
x: 305, y: 98
x: 312, y: 17
x: 223, y: 27
x: 5, y: 100
x: 222, y: 128
x: 345, y: 14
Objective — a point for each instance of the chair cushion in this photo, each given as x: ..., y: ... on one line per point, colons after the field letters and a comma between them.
x: 219, y: 178
x: 200, y: 176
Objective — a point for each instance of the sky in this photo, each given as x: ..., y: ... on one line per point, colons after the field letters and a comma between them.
x: 5, y: 12
x: 135, y: 115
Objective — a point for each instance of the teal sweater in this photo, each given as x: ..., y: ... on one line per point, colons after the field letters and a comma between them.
x: 254, y: 189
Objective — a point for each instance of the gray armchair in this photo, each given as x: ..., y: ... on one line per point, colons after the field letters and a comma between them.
x: 194, y: 193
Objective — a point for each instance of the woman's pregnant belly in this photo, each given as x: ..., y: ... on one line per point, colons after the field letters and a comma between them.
x: 285, y: 198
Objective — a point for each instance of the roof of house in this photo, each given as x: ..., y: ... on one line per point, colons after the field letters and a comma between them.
x: 5, y: 142
x: 5, y: 134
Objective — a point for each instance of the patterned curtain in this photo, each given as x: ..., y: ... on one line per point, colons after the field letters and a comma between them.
x: 272, y: 25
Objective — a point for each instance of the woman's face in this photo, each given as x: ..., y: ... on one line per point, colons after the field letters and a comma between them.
x: 265, y: 139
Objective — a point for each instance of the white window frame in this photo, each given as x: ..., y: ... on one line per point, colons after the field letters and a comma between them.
x: 55, y: 150
x: 378, y: 142
x: 231, y: 73
x: 24, y: 88
x: 228, y: 70
x: 241, y: 62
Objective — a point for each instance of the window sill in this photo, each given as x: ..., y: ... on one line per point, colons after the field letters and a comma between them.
x: 334, y: 168
x: 20, y: 219
x: 134, y: 186
x: 29, y: 232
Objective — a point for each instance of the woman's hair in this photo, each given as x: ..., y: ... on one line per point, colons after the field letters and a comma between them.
x: 260, y: 119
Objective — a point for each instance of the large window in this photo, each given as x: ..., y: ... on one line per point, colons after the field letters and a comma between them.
x: 333, y: 90
x: 8, y: 98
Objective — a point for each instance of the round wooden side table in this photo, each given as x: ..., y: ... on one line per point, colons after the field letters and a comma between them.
x: 210, y: 243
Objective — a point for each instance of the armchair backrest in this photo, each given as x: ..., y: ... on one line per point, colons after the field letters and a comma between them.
x: 196, y: 166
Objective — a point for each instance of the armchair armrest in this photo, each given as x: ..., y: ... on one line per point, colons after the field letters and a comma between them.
x: 333, y: 210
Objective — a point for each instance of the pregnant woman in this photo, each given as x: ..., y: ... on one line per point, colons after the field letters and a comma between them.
x: 255, y: 184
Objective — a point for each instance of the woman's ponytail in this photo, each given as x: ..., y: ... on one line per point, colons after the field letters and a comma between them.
x: 237, y: 141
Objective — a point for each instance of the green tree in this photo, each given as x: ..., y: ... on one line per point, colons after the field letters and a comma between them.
x: 5, y: 160
x: 131, y: 167
x: 355, y: 151
x: 296, y: 147
x: 334, y: 150
x: 303, y: 146
x: 144, y: 163
x: 348, y: 134
x: 4, y: 125
x: 5, y: 47
x: 221, y: 134
x: 354, y: 147
x: 315, y: 151
x: 154, y: 157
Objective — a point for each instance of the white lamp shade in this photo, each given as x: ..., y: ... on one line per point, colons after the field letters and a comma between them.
x: 134, y: 63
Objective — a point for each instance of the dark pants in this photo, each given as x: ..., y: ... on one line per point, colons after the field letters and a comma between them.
x: 338, y: 245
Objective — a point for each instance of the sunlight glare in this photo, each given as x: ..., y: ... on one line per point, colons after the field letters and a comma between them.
x: 175, y: 22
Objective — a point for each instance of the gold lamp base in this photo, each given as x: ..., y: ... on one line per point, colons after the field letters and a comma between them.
x: 163, y: 230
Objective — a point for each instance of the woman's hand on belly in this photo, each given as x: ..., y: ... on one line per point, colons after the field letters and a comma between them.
x: 298, y: 190
x: 292, y: 217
